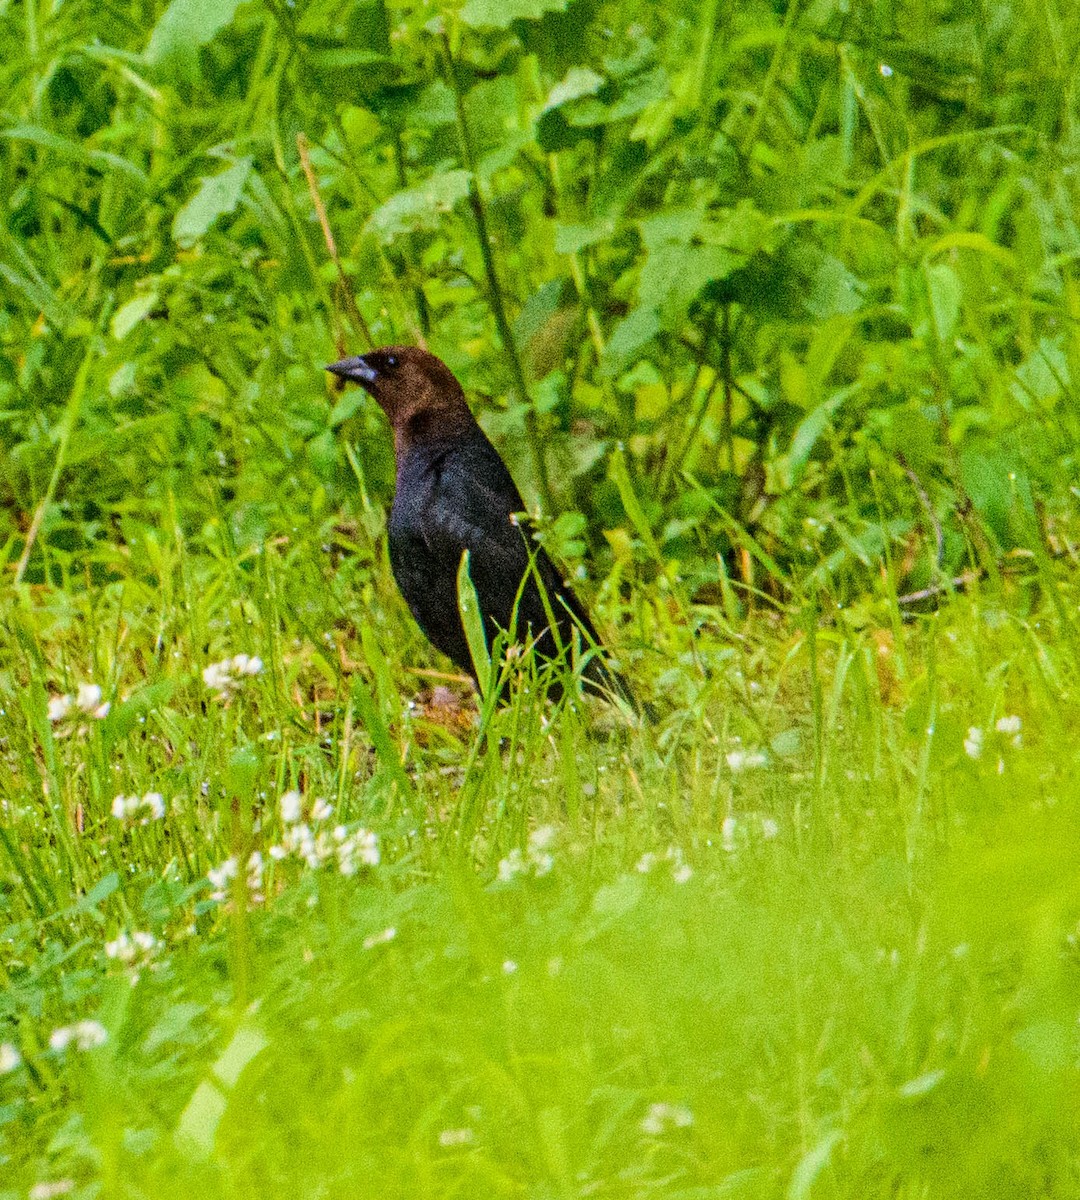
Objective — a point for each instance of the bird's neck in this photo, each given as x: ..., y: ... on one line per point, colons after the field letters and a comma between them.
x: 434, y: 427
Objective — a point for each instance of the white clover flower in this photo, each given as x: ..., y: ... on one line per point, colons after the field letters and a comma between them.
x: 321, y: 810
x: 220, y: 877
x: 130, y: 948
x: 745, y: 760
x: 542, y: 837
x: 86, y: 702
x: 646, y: 862
x: 1010, y: 726
x: 509, y: 967
x: 662, y: 1118
x: 358, y: 849
x: 290, y: 806
x: 513, y: 864
x: 88, y: 696
x: 255, y: 868
x: 50, y: 1189
x: 84, y: 1035
x: 380, y: 939
x: 225, y: 677
x: 10, y: 1058
x: 144, y: 809
x: 456, y: 1137
x: 727, y: 833
x: 973, y: 743
x: 217, y: 677
x: 681, y: 871
x: 769, y: 828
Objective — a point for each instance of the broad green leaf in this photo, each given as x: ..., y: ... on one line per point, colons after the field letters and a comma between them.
x: 578, y: 82
x: 569, y: 239
x: 500, y: 14
x: 420, y: 207
x: 809, y: 429
x: 1043, y: 375
x: 187, y: 24
x: 131, y: 314
x: 630, y: 335
x: 217, y: 195
x: 674, y: 275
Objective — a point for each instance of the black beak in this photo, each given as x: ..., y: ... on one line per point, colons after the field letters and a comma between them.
x: 355, y: 369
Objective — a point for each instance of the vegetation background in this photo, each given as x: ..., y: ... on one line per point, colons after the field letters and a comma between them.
x: 775, y: 310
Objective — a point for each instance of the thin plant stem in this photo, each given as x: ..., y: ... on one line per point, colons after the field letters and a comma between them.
x: 495, y: 292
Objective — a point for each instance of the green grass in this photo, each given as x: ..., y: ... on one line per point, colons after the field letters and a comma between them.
x: 847, y: 969
x: 776, y: 306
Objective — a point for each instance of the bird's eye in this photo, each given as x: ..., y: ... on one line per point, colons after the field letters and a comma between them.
x: 391, y: 360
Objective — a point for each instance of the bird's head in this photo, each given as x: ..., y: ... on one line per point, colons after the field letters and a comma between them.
x: 416, y: 390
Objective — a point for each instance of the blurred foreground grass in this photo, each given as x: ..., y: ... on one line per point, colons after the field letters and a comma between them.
x: 813, y: 934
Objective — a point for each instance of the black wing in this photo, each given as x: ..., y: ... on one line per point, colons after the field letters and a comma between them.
x: 463, y: 498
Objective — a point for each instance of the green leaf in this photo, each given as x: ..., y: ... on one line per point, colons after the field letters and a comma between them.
x: 631, y: 333
x: 420, y: 207
x: 186, y: 25
x: 499, y: 14
x: 75, y: 151
x: 569, y: 239
x: 131, y: 314
x: 674, y: 275
x: 809, y: 429
x: 473, y: 622
x: 944, y: 290
x: 810, y: 1166
x: 578, y: 82
x: 217, y: 195
x: 197, y: 1128
x: 371, y: 719
x: 621, y: 477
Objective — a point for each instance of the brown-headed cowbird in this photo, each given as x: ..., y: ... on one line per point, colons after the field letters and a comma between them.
x: 453, y: 493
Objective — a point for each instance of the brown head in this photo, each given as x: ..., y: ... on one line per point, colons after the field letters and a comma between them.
x: 416, y: 390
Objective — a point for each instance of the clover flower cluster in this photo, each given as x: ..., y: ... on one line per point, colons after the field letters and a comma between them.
x: 536, y: 860
x: 221, y: 876
x: 736, y: 831
x: 1008, y: 727
x: 226, y: 677
x: 1008, y: 730
x: 662, y: 1118
x: 132, y: 949
x: 86, y: 702
x: 310, y: 838
x: 143, y: 809
x: 83, y: 1035
x: 681, y: 871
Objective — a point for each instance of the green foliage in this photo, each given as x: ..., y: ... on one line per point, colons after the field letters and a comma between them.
x: 777, y: 306
x: 811, y: 266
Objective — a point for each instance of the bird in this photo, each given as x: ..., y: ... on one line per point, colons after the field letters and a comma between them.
x: 453, y: 493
